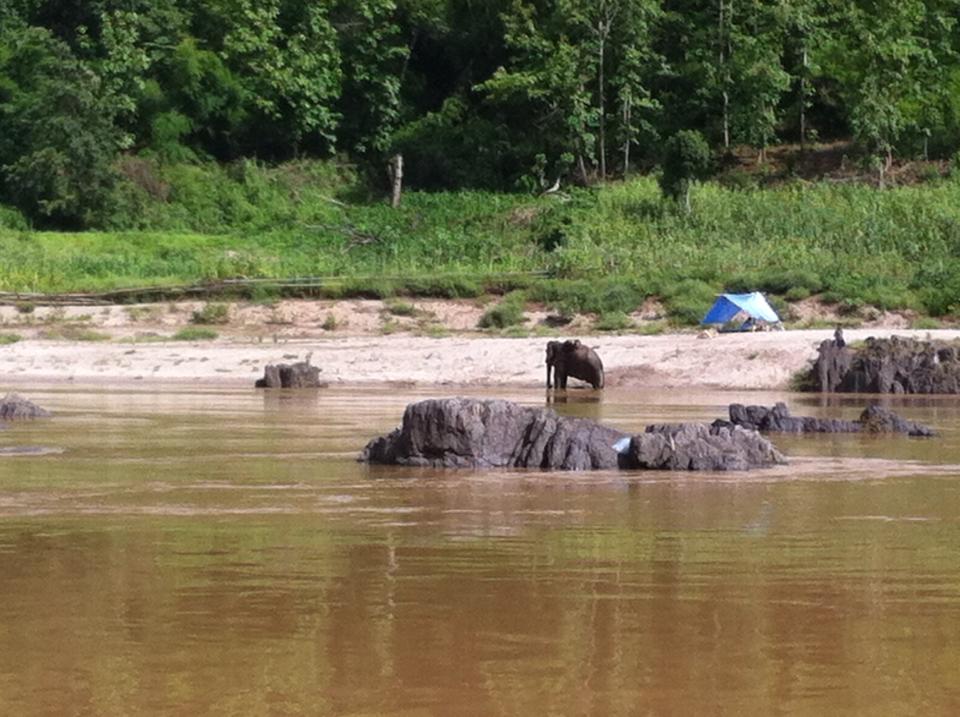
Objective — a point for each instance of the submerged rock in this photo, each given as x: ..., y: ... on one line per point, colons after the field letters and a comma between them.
x: 894, y: 365
x: 473, y: 433
x: 15, y: 408
x: 874, y: 419
x: 297, y: 375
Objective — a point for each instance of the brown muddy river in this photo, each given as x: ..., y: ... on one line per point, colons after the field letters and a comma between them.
x: 220, y: 552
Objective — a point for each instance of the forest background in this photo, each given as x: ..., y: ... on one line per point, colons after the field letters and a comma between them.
x: 150, y: 142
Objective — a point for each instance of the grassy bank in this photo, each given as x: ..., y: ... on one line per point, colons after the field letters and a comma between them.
x: 603, y: 250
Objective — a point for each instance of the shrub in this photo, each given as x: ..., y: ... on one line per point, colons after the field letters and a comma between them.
x: 688, y: 301
x: 443, y: 287
x: 6, y: 339
x: 686, y: 158
x: 509, y: 312
x: 600, y: 296
x: 797, y: 293
x: 652, y: 328
x: 194, y: 333
x: 265, y: 294
x: 10, y: 218
x: 211, y: 314
x: 614, y: 321
x: 74, y: 333
x: 329, y: 323
x: 400, y: 308
x: 782, y: 281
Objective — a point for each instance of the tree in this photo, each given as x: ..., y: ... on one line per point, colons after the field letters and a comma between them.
x: 686, y: 158
x: 757, y: 81
x: 57, y: 140
x: 287, y: 57
x: 889, y: 56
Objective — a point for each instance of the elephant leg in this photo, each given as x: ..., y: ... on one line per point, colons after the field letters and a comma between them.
x: 549, y: 366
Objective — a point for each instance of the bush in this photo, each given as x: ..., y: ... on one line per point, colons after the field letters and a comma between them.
x: 782, y: 281
x: 688, y: 301
x: 10, y: 218
x: 400, y: 308
x: 584, y: 296
x: 211, y: 314
x: 7, y: 339
x: 443, y: 287
x: 508, y: 312
x: 686, y: 158
x: 74, y: 333
x: 194, y: 333
x: 614, y: 321
x: 797, y: 293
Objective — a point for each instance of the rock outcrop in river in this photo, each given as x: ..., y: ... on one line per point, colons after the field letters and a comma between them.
x: 874, y: 419
x: 284, y: 375
x: 894, y: 365
x: 474, y: 433
x: 699, y: 447
x: 16, y: 408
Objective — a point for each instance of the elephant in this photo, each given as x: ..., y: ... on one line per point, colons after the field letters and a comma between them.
x: 572, y: 358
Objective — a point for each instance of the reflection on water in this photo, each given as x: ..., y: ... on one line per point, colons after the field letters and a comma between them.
x: 220, y: 552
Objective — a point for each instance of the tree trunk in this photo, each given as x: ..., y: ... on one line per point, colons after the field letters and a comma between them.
x: 686, y: 198
x: 626, y: 143
x: 723, y: 20
x: 602, y: 31
x: 396, y: 179
x: 803, y: 101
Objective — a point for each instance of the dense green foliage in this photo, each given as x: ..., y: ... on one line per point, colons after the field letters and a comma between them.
x: 601, y: 250
x: 499, y: 95
x: 686, y: 158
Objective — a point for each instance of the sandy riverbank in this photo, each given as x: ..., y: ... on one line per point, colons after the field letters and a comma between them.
x: 730, y: 361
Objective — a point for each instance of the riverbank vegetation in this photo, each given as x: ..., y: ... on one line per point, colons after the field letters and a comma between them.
x: 452, y: 148
x: 603, y: 249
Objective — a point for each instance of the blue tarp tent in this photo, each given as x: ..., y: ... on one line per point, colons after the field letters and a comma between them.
x: 729, y: 305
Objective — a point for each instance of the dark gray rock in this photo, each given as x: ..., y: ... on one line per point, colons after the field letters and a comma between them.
x: 779, y: 420
x: 15, y: 408
x: 297, y: 375
x: 833, y: 363
x: 698, y: 447
x: 473, y: 433
x: 874, y: 419
x: 894, y: 365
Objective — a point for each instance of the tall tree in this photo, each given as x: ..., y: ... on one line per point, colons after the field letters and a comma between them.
x: 887, y: 55
x: 757, y: 79
x: 57, y: 140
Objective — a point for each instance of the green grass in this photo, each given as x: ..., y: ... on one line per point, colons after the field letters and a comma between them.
x: 7, y: 339
x: 603, y: 252
x: 194, y: 333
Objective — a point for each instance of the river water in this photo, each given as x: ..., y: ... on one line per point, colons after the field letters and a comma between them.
x: 219, y: 552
